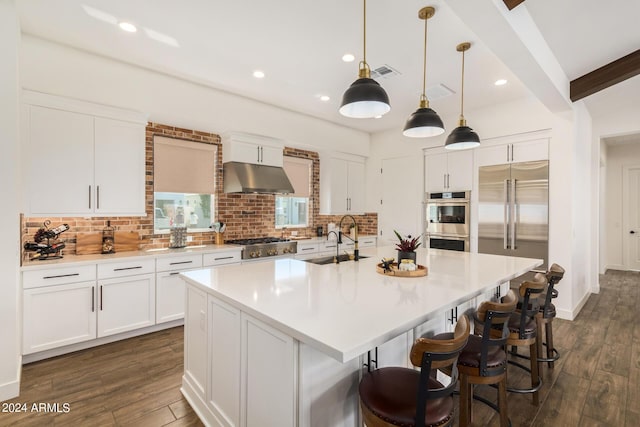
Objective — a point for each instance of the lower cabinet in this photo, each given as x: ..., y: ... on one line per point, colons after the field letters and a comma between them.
x: 126, y: 303
x: 170, y: 287
x: 55, y: 316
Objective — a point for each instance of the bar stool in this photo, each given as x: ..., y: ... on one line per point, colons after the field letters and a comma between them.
x: 396, y: 396
x: 484, y: 360
x: 523, y: 331
x: 546, y: 314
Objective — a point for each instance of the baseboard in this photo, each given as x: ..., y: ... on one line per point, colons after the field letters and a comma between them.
x: 198, y: 405
x: 570, y: 315
x: 9, y: 390
x: 34, y: 357
x: 614, y: 267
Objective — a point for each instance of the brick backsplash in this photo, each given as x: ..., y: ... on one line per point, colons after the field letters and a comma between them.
x: 246, y: 215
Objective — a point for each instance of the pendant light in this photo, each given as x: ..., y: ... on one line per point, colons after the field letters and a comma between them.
x: 463, y: 136
x: 365, y: 98
x: 424, y: 122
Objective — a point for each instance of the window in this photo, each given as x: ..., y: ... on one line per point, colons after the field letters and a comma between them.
x: 184, y: 184
x: 292, y: 210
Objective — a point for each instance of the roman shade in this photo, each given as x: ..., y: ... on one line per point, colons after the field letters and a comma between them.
x: 182, y: 166
x: 299, y: 173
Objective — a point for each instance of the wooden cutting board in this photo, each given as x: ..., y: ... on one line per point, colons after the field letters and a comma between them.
x: 91, y: 243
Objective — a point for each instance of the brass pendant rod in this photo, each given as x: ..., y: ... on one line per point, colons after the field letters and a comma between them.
x: 462, y: 90
x: 364, y: 31
x: 424, y: 63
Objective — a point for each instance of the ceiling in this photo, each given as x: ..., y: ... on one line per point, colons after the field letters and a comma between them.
x: 299, y: 45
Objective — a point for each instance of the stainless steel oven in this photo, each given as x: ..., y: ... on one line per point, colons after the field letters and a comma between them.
x: 447, y: 220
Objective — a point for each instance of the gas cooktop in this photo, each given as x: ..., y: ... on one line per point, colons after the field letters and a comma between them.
x: 262, y: 247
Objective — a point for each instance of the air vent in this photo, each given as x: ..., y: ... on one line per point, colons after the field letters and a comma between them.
x: 438, y: 91
x: 385, y: 71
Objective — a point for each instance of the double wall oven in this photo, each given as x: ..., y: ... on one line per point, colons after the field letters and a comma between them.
x: 447, y: 220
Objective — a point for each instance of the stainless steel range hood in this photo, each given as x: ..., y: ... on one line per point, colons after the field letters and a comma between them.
x: 252, y: 178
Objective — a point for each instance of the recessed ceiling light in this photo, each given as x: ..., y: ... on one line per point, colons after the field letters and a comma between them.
x: 258, y: 74
x: 128, y: 27
x: 500, y: 82
x: 324, y: 98
x: 348, y: 57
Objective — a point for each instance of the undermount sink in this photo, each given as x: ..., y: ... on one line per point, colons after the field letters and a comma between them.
x: 329, y: 259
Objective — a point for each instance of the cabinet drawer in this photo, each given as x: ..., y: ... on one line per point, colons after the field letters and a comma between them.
x: 307, y: 248
x: 220, y: 258
x: 126, y: 268
x: 367, y: 242
x: 58, y: 276
x: 178, y: 262
x: 328, y: 246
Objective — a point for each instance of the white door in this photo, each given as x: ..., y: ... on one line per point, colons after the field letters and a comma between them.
x: 460, y: 170
x: 119, y: 167
x: 55, y: 316
x: 436, y: 173
x: 631, y: 215
x: 339, y: 179
x: 356, y: 188
x: 126, y: 303
x: 402, y: 194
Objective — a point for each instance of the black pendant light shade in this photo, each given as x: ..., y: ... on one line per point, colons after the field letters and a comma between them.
x: 365, y: 98
x: 461, y: 138
x: 424, y: 122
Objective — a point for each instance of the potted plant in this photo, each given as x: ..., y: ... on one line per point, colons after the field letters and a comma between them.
x: 407, y: 247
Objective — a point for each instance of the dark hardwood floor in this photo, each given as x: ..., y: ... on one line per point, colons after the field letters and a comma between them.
x: 136, y: 382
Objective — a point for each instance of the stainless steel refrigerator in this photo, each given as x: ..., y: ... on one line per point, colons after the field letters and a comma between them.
x: 513, y: 210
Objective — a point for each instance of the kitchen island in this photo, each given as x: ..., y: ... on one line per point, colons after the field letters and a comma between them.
x: 283, y: 342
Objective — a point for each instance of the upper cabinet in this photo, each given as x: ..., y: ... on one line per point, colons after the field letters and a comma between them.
x: 255, y: 149
x: 450, y: 171
x: 342, y: 184
x: 82, y: 159
x: 525, y: 151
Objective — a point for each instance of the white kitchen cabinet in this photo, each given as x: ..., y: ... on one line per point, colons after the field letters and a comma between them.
x: 307, y: 250
x: 367, y: 241
x: 342, y: 186
x: 126, y: 303
x: 525, y: 151
x: 94, y: 156
x: 221, y: 258
x: 126, y: 295
x: 449, y: 171
x: 269, y: 381
x: 170, y: 287
x: 195, y: 345
x: 255, y: 149
x: 55, y: 316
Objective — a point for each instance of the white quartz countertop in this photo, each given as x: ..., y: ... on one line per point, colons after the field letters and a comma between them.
x: 346, y: 309
x: 68, y: 260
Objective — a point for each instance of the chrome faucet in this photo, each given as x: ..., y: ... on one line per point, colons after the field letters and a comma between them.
x: 355, y: 235
x: 337, y: 257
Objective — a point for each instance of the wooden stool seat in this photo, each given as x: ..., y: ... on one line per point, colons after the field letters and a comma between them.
x: 397, y: 396
x: 386, y: 393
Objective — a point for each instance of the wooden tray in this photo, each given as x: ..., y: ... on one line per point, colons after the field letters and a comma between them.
x: 421, y: 271
x: 91, y: 243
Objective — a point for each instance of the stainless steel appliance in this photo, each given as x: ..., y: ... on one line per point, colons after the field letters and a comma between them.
x: 265, y: 247
x: 513, y: 210
x: 447, y: 217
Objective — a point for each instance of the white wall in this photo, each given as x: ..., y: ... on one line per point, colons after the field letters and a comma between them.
x: 618, y: 156
x: 60, y: 70
x: 10, y: 324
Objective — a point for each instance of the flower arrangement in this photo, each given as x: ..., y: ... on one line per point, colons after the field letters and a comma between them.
x: 407, y: 244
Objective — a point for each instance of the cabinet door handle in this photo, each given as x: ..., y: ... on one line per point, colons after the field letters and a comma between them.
x: 258, y: 148
x: 261, y: 154
x: 100, y: 297
x: 173, y: 274
x: 307, y: 249
x: 222, y: 257
x: 97, y: 197
x: 180, y: 262
x: 61, y: 275
x: 444, y: 180
x: 127, y: 268
x: 89, y: 197
x: 93, y: 299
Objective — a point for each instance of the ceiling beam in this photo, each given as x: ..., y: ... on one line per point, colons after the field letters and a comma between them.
x: 608, y: 75
x: 512, y: 3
